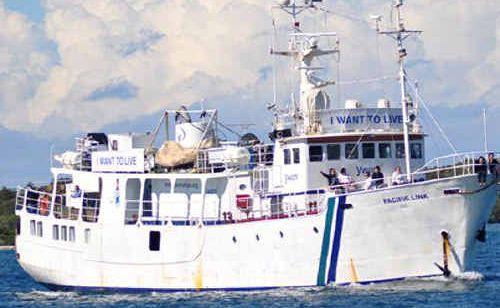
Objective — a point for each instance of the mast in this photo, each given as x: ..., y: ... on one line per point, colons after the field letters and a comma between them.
x: 304, y: 49
x: 400, y: 34
x: 485, y: 132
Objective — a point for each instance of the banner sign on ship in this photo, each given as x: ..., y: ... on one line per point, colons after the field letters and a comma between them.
x: 389, y: 119
x: 118, y: 161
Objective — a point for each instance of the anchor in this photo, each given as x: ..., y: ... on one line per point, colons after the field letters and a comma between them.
x: 446, y: 253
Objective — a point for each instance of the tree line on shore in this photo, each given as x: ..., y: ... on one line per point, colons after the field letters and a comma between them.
x: 8, y: 218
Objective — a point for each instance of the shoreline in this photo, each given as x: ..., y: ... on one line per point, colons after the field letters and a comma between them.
x: 7, y: 247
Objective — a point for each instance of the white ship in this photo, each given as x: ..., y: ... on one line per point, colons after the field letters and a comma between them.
x: 201, y: 213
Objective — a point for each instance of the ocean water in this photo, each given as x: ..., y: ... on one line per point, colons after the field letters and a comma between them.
x: 480, y: 288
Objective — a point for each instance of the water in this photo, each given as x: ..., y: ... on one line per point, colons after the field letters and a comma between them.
x: 473, y: 289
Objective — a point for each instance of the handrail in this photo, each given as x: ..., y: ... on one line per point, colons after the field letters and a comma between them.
x: 272, y: 208
x: 34, y: 203
x: 469, y: 155
x: 419, y: 176
x: 257, y: 155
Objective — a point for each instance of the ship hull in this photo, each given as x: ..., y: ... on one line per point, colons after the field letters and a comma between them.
x: 373, y: 236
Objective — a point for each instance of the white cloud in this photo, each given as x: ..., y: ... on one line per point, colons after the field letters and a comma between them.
x: 118, y: 59
x: 25, y: 60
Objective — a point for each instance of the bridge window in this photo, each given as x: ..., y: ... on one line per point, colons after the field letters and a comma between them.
x: 400, y: 150
x: 333, y: 151
x: 351, y: 151
x: 384, y: 150
x: 287, y: 157
x: 368, y: 150
x: 416, y: 150
x: 315, y: 153
x: 296, y: 155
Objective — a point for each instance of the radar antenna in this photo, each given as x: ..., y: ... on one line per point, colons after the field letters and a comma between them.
x: 400, y: 34
x: 304, y: 48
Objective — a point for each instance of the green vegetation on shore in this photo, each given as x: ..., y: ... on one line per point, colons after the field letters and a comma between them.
x: 8, y: 219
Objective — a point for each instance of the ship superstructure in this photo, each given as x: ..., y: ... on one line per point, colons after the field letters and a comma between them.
x: 202, y: 213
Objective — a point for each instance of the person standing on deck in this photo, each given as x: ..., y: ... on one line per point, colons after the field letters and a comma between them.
x: 378, y: 177
x: 493, y: 164
x: 397, y: 178
x: 481, y: 170
x: 344, y: 179
x: 331, y: 176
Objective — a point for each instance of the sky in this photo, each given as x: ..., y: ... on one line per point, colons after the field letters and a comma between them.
x: 72, y: 66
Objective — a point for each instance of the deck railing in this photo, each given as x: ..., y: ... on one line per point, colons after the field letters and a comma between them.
x: 43, y: 203
x: 258, y: 155
x: 449, y: 166
x: 243, y: 208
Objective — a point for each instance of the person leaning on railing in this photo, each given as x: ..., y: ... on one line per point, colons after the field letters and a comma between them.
x: 481, y: 170
x: 378, y: 177
x: 493, y: 165
x: 331, y: 176
x: 367, y: 183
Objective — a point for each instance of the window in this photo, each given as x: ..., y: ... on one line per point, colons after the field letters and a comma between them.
x: 39, y: 229
x: 368, y: 150
x: 296, y: 156
x: 400, y: 150
x: 64, y: 186
x: 91, y: 204
x: 416, y: 150
x: 132, y: 196
x: 86, y: 235
x: 153, y: 189
x: 154, y: 240
x: 32, y: 227
x: 351, y: 151
x: 55, y: 232
x: 286, y: 156
x: 64, y: 233
x: 72, y: 234
x: 315, y: 153
x: 384, y: 150
x: 333, y: 151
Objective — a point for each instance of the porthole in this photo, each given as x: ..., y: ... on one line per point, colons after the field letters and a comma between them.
x: 234, y: 239
x: 257, y: 237
x: 243, y: 187
x: 281, y: 234
x: 315, y: 230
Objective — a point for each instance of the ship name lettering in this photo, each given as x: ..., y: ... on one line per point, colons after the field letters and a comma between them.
x: 406, y: 198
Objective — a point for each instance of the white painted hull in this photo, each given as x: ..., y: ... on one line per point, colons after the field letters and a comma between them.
x: 370, y: 241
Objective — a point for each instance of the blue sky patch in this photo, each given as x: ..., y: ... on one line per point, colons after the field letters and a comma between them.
x: 33, y: 9
x: 120, y: 89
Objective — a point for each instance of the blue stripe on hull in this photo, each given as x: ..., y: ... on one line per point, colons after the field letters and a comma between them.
x: 325, y: 247
x: 339, y: 222
x: 165, y: 290
x: 55, y: 287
